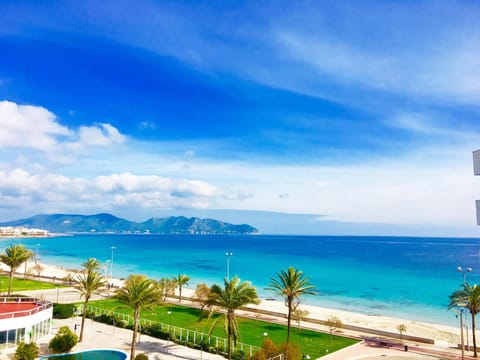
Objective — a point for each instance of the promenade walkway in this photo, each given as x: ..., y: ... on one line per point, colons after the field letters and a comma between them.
x: 99, y: 335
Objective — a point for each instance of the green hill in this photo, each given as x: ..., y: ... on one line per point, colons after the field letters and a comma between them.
x: 107, y: 223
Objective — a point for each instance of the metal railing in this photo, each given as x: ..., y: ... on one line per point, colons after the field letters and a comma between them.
x: 197, y: 338
x: 40, y: 305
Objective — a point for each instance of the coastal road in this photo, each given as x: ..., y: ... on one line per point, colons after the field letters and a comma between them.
x: 61, y: 295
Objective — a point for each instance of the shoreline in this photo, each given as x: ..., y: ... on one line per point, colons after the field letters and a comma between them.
x: 442, y: 335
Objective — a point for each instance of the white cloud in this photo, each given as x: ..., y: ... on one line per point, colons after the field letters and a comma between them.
x: 22, y: 189
x: 36, y: 128
x: 435, y: 187
x: 432, y: 186
x: 29, y: 126
x: 97, y: 135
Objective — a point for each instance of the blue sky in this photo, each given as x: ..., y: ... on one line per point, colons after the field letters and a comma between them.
x: 354, y: 112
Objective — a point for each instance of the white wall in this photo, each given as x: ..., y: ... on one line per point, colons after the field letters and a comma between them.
x: 26, y: 321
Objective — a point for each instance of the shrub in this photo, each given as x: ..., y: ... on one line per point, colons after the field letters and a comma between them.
x: 123, y: 324
x: 291, y: 351
x: 63, y: 341
x: 106, y: 319
x: 63, y: 311
x: 141, y: 357
x: 155, y: 331
x: 269, y: 350
x: 238, y: 355
x: 26, y: 351
x: 110, y: 319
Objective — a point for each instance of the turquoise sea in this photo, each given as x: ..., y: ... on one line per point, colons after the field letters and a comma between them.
x: 393, y: 276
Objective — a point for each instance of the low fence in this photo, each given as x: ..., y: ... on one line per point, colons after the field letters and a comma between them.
x: 196, y: 338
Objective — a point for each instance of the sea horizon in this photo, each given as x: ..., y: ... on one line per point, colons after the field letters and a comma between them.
x: 396, y: 276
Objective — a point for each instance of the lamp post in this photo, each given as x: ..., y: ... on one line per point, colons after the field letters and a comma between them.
x: 228, y: 254
x: 111, y: 262
x: 464, y: 271
x: 461, y: 308
x: 168, y: 329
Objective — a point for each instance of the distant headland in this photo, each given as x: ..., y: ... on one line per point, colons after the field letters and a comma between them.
x: 107, y: 223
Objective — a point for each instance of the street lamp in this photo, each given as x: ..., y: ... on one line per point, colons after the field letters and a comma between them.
x: 464, y: 271
x: 228, y: 254
x: 461, y: 308
x: 111, y: 262
x: 168, y: 329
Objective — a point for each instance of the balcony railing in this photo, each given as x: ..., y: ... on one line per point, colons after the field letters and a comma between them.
x: 39, y: 305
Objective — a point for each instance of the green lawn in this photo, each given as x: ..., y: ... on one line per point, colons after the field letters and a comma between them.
x: 19, y: 284
x: 252, y: 331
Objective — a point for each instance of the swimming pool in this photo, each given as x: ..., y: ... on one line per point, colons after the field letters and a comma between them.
x: 90, y: 355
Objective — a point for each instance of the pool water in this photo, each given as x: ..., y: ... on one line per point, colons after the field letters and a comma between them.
x: 90, y: 355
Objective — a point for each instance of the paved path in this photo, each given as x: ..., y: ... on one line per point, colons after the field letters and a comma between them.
x: 102, y: 336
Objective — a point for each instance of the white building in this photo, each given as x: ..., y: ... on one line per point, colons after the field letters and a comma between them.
x: 24, y: 319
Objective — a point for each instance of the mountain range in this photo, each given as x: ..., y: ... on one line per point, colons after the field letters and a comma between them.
x: 107, y: 223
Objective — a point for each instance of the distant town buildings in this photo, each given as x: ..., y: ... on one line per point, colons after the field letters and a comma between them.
x: 13, y: 231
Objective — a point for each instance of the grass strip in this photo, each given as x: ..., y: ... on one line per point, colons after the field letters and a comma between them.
x: 252, y: 331
x: 20, y: 284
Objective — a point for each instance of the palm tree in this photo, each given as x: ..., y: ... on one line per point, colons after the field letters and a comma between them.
x: 232, y: 296
x: 291, y: 284
x: 92, y: 265
x: 138, y: 293
x: 167, y: 287
x: 468, y: 296
x: 89, y: 282
x: 15, y: 255
x: 181, y: 280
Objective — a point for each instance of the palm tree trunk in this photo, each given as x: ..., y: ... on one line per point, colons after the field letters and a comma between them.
x: 180, y: 293
x: 136, y: 315
x: 473, y: 335
x: 84, y: 315
x: 289, y: 318
x: 229, y: 335
x: 10, y: 282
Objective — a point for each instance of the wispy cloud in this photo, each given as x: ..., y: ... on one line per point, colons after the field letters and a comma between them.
x: 447, y: 73
x: 434, y: 125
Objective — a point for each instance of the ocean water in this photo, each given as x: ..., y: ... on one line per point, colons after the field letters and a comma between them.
x: 393, y: 276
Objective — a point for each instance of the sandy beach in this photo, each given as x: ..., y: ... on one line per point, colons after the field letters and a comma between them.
x: 442, y: 335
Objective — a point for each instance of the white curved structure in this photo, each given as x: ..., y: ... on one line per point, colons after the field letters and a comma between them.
x: 24, y: 319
